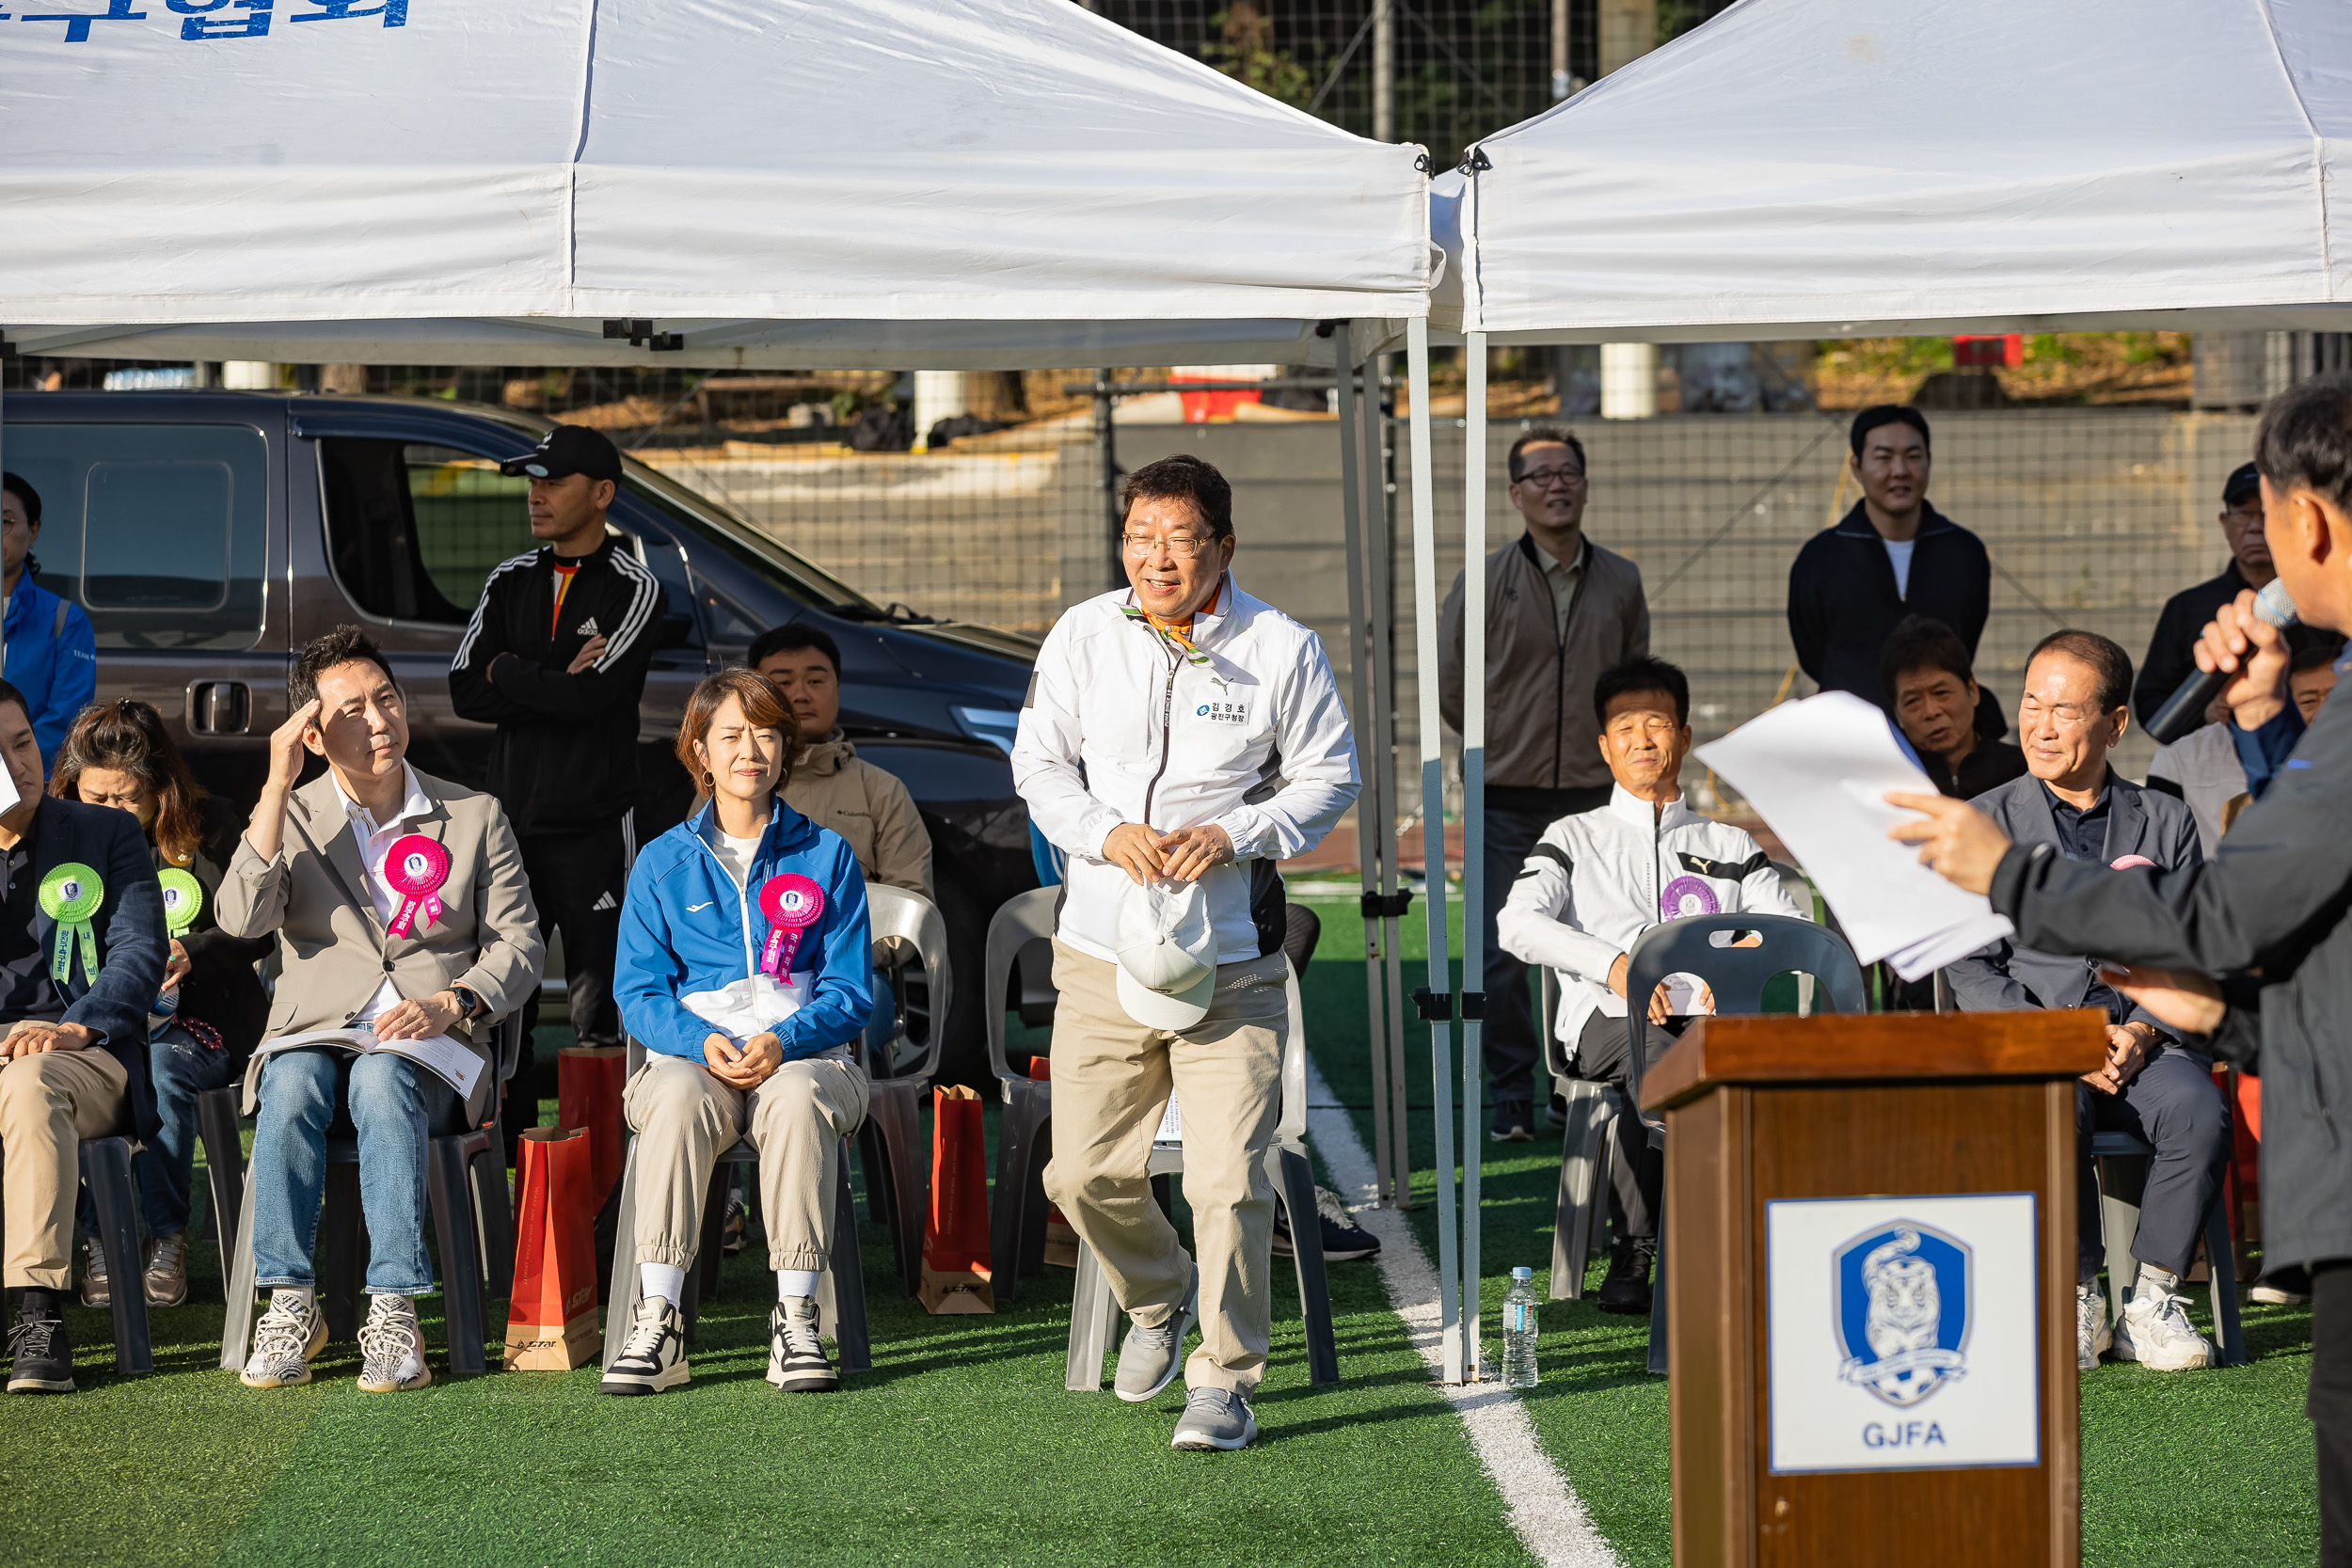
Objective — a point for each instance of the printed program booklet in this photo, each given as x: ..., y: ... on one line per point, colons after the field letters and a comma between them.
x: 448, y: 1057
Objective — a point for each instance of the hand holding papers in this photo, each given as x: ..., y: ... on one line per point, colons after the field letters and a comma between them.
x: 440, y: 1054
x: 1818, y: 771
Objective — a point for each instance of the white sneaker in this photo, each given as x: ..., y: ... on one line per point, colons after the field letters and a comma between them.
x: 653, y: 1358
x: 2154, y: 1331
x: 2092, y: 1336
x: 391, y: 1348
x: 290, y: 1334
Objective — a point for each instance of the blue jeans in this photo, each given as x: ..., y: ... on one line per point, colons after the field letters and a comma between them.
x: 181, y: 1068
x: 396, y: 1106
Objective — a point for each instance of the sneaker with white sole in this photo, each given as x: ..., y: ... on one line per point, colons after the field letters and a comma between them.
x: 1214, y: 1418
x: 796, y: 1352
x: 95, y: 1290
x: 653, y: 1358
x: 1149, y: 1358
x: 1343, y: 1240
x: 2155, y: 1331
x: 167, y: 1270
x: 290, y: 1335
x: 391, y: 1348
x: 2092, y: 1335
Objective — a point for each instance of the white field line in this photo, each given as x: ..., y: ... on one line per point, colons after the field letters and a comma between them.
x: 1544, y: 1508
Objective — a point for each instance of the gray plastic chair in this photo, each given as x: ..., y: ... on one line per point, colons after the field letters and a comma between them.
x: 105, y: 1172
x: 840, y: 1289
x: 1094, y: 1311
x: 1738, y: 977
x: 2119, y: 1223
x: 902, y: 1072
x: 1588, y: 1142
x: 1024, y: 1137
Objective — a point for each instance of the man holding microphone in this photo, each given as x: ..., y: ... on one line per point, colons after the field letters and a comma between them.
x: 2251, y: 950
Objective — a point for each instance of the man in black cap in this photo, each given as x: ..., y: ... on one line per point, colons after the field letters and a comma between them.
x: 2169, y: 663
x: 1892, y: 557
x: 555, y: 657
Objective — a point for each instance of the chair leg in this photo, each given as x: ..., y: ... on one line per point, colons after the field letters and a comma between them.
x: 621, y: 1298
x: 107, y: 1172
x: 702, y: 1275
x: 1658, y: 1304
x: 448, y: 1190
x: 846, y: 1274
x: 494, y: 1214
x: 870, y: 1158
x: 895, y: 1120
x: 224, y: 1166
x: 236, y: 1329
x: 1017, y: 1218
x: 1295, y: 1185
x: 339, y: 1259
x: 1033, y: 1199
x: 1093, y: 1317
x: 1573, y: 1215
x: 2221, y: 1268
x: 2118, y: 1218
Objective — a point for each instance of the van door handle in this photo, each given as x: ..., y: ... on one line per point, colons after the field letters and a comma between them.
x: 219, y: 707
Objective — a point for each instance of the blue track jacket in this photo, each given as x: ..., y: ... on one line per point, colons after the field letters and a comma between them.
x: 53, y: 658
x: 685, y: 929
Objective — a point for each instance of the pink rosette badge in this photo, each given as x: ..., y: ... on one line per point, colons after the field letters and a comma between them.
x: 415, y: 868
x: 792, y: 904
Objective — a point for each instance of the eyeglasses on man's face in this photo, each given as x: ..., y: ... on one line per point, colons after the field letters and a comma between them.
x: 1544, y: 479
x: 1184, y: 547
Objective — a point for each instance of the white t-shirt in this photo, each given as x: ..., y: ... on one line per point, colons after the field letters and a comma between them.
x: 736, y: 855
x: 1899, y: 552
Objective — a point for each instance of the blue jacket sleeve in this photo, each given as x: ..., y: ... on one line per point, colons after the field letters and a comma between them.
x: 646, y: 974
x: 843, y: 997
x: 72, y: 683
x: 2264, y: 752
x: 114, y: 1008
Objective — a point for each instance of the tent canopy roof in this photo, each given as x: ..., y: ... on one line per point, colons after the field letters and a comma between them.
x: 1845, y: 168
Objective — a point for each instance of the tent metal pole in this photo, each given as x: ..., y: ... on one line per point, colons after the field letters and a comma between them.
x: 1106, y: 479
x: 1473, y: 819
x: 1377, y: 543
x: 1436, y: 997
x: 1369, y: 808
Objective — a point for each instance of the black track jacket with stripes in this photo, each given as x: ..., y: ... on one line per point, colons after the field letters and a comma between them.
x: 564, y: 757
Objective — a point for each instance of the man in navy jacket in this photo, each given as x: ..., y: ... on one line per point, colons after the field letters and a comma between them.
x: 73, y: 1044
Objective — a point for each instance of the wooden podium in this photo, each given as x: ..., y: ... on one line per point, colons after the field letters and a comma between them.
x: 1924, y: 1362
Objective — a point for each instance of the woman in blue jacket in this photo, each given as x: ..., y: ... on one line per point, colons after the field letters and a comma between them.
x: 745, y: 971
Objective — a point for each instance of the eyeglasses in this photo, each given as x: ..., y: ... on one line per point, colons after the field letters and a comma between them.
x: 1543, y: 478
x: 1184, y: 547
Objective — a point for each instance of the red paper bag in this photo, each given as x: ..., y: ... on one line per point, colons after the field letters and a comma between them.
x: 551, y: 1322
x: 588, y: 1099
x: 955, y: 1239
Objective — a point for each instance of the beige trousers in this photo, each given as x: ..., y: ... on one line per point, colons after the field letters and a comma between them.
x: 48, y: 1105
x: 685, y: 1120
x: 1111, y: 1080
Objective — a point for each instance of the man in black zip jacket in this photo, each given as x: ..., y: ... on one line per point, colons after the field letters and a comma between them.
x: 1892, y: 556
x: 555, y: 657
x: 2251, y: 950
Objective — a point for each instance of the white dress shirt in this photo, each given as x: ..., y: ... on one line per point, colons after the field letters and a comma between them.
x: 375, y: 841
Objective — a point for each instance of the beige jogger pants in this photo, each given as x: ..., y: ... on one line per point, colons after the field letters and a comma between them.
x: 48, y: 1105
x: 685, y: 1120
x: 1111, y: 1081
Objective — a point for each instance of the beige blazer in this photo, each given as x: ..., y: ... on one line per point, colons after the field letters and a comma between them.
x: 332, y: 948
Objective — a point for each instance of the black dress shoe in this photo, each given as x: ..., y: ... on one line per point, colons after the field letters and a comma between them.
x: 40, y: 1356
x: 1626, y: 1288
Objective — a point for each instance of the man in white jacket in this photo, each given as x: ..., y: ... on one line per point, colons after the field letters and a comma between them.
x: 1596, y: 883
x: 1180, y: 737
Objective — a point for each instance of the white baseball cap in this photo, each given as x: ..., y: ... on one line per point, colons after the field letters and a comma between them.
x: 1167, y: 954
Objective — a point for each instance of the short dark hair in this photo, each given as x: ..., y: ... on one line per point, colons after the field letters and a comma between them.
x: 1538, y: 436
x: 2304, y: 441
x: 1642, y: 674
x: 790, y: 638
x: 322, y: 653
x: 8, y: 693
x: 763, y: 705
x: 15, y: 486
x: 1887, y: 413
x: 1921, y: 642
x: 1182, y: 477
x: 2103, y: 654
x: 2326, y: 651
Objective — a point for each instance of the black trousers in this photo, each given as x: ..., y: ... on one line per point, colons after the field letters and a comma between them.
x: 1515, y: 818
x: 1637, y: 1174
x: 2172, y: 1103
x: 579, y: 879
x: 2329, y: 1405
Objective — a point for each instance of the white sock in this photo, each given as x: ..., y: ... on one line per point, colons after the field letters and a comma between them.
x: 795, y: 1282
x: 662, y: 1279
x: 2153, y: 1279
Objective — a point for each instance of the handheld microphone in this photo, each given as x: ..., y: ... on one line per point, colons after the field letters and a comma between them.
x: 2184, y: 711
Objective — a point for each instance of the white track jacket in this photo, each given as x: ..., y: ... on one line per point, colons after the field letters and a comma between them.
x: 1123, y: 725
x: 1600, y: 879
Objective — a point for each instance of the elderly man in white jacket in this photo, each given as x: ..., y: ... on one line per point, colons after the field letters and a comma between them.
x: 1179, y: 738
x: 1596, y: 881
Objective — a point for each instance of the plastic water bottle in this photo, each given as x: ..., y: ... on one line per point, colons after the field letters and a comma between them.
x: 1519, y: 1309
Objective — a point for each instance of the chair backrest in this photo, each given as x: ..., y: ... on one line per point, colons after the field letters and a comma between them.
x: 914, y: 920
x: 1737, y: 975
x: 1022, y: 918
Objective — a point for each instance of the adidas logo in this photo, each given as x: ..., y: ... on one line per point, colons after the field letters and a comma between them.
x: 604, y: 901
x: 588, y: 627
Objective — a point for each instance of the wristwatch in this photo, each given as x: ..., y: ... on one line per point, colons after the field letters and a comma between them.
x: 470, y: 1005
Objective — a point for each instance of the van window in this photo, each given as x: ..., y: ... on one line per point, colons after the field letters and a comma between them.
x: 156, y: 531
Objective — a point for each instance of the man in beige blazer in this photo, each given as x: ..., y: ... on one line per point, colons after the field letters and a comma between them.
x: 312, y: 868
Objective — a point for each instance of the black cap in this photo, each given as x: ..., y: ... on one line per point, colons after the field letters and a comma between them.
x: 568, y: 449
x: 2245, y: 480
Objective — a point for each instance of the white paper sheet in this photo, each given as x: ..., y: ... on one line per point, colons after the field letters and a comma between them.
x: 1172, y: 1124
x: 440, y: 1054
x: 1818, y: 771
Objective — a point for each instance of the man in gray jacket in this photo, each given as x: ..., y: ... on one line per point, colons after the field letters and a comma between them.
x: 1560, y: 611
x: 2074, y: 710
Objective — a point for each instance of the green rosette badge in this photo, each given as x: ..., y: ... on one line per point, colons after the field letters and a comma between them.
x: 184, y: 899
x: 69, y: 896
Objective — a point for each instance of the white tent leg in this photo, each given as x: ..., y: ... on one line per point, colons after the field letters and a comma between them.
x: 1376, y: 543
x: 1439, y: 997
x: 1473, y: 819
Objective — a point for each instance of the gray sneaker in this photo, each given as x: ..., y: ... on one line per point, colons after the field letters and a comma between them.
x: 95, y: 1290
x: 391, y: 1348
x: 2092, y: 1336
x: 1148, y: 1358
x: 168, y: 1268
x: 1214, y: 1418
